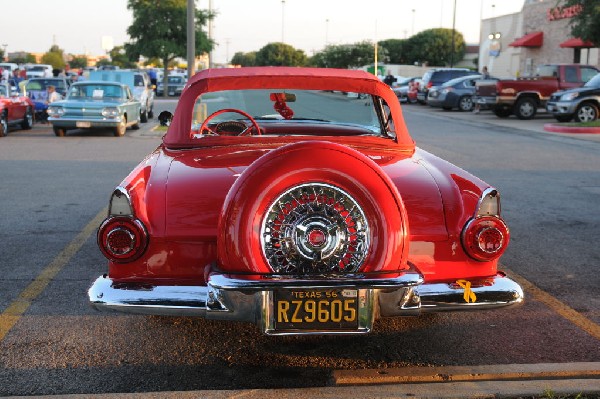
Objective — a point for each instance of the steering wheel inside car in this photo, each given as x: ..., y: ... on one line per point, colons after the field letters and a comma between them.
x: 247, y: 131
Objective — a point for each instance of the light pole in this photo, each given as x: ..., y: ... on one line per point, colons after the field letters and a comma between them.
x: 453, y: 35
x: 412, y: 32
x: 326, y: 32
x: 282, y: 20
x: 191, y: 38
x: 210, y: 34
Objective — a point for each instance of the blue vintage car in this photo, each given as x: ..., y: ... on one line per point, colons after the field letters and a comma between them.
x: 96, y: 105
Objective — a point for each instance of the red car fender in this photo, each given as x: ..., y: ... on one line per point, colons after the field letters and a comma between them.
x: 238, y: 241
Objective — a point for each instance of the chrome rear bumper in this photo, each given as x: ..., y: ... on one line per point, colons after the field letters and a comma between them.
x: 226, y: 298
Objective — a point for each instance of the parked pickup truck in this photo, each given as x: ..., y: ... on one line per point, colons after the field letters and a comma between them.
x: 523, y: 96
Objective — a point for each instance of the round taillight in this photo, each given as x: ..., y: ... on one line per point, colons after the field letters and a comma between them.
x: 122, y: 239
x: 485, y: 238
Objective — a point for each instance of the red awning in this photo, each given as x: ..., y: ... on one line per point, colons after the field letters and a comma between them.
x: 576, y: 43
x: 534, y: 39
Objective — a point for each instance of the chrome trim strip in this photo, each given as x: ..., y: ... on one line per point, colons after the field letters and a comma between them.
x: 94, y: 123
x: 494, y: 194
x: 118, y: 192
x: 407, y: 279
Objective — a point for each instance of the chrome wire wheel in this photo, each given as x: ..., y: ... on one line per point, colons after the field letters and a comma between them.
x: 315, y: 228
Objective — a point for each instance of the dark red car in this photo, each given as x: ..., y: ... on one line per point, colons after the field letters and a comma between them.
x: 15, y: 110
x: 276, y: 199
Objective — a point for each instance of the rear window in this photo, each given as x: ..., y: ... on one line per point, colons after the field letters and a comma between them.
x: 42, y: 84
x: 547, y: 70
x: 444, y: 76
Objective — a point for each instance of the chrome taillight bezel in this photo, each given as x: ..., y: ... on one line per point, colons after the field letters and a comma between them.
x: 476, y: 228
x: 133, y: 228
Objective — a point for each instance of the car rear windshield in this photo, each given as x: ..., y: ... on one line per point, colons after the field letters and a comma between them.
x: 443, y: 76
x: 319, y: 108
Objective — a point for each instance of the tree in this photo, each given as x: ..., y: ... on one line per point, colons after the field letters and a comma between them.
x: 348, y: 55
x: 397, y: 50
x: 584, y: 24
x: 154, y: 61
x: 280, y: 54
x: 78, y: 62
x: 26, y: 58
x: 434, y: 47
x: 120, y: 58
x: 159, y: 31
x: 103, y: 62
x: 244, y: 59
x: 54, y: 57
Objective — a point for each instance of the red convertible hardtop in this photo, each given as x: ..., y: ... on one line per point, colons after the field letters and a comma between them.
x: 344, y: 80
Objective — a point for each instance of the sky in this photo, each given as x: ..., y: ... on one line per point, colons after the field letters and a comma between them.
x: 79, y: 26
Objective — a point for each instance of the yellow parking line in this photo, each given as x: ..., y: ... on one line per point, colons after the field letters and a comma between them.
x: 19, y: 306
x: 557, y: 306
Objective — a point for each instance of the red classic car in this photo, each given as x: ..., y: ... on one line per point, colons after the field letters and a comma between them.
x: 14, y: 110
x: 275, y: 199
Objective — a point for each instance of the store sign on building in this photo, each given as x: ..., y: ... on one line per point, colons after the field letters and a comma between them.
x: 556, y: 13
x: 495, y: 44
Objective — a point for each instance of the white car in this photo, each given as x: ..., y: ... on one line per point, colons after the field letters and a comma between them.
x: 39, y: 71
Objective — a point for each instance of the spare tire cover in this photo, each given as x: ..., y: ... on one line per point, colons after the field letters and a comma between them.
x: 312, y: 208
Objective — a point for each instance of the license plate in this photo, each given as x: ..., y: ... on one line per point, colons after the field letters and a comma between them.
x: 83, y: 124
x: 316, y: 309
x: 171, y: 93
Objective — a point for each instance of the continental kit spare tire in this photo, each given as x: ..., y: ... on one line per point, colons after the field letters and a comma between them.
x: 312, y: 208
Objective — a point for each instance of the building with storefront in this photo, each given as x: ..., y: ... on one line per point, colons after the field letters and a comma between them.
x: 515, y: 44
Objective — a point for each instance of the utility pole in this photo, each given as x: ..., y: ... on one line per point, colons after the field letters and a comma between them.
x: 210, y: 34
x: 453, y: 35
x: 282, y: 20
x: 191, y: 38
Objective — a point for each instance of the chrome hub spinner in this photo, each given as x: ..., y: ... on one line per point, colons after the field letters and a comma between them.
x: 315, y: 228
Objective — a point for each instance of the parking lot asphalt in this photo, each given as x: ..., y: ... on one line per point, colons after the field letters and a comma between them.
x: 488, y: 381
x: 487, y: 117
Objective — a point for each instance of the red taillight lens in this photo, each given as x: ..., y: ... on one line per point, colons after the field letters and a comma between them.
x: 122, y: 239
x: 485, y: 238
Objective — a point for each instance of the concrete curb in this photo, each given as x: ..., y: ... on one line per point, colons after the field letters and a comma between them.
x: 508, y: 372
x: 558, y: 128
